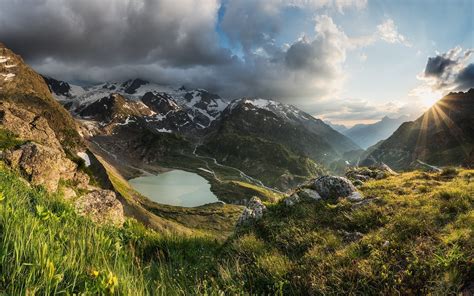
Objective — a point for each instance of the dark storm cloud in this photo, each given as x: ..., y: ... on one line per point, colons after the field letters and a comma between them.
x: 450, y: 71
x: 175, y: 42
x: 108, y: 32
x: 436, y: 66
x: 465, y: 78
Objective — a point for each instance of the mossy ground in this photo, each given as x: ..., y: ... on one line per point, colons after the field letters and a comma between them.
x: 417, y: 239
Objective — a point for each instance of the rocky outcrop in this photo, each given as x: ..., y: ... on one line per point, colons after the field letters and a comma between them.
x: 101, y: 206
x: 27, y: 125
x: 43, y: 165
x: 253, y: 211
x: 309, y: 193
x: 42, y: 160
x: 377, y: 171
x: 335, y: 187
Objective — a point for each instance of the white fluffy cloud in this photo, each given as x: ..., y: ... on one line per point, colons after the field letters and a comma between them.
x: 388, y: 32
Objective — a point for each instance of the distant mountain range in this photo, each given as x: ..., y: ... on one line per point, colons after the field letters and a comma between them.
x: 366, y: 135
x: 275, y: 143
x: 443, y: 135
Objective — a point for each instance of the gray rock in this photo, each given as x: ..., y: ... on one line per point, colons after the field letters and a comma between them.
x: 101, y: 206
x: 254, y: 211
x: 310, y: 193
x: 355, y: 196
x: 351, y: 236
x: 361, y: 177
x: 335, y: 187
x: 292, y: 200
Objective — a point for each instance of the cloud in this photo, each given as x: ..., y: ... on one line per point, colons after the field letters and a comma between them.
x: 111, y: 32
x: 175, y: 42
x: 388, y: 32
x: 445, y: 72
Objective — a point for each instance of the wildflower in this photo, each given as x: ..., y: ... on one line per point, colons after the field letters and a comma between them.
x: 95, y: 273
x: 112, y: 282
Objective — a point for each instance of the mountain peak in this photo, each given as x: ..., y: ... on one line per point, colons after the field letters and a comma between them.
x: 131, y: 86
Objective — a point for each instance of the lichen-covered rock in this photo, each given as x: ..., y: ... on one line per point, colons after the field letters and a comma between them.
x: 81, y: 180
x: 41, y: 165
x: 334, y: 187
x: 27, y: 126
x: 102, y: 206
x: 253, y: 211
x: 376, y: 171
x: 68, y: 193
x: 310, y: 193
x: 292, y: 200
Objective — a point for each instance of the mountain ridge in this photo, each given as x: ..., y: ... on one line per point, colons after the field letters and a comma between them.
x: 443, y: 135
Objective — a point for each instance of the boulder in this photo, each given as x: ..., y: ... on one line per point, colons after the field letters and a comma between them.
x: 310, y: 193
x: 253, y: 211
x: 69, y: 193
x: 41, y: 165
x: 102, y: 206
x: 335, y: 187
x: 376, y: 171
x: 292, y: 200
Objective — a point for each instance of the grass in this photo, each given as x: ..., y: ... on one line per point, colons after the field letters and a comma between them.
x: 45, y: 248
x: 8, y: 139
x: 264, y: 193
x: 417, y: 239
x: 414, y: 241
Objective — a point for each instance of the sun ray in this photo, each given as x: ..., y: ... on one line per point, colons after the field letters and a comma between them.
x: 452, y: 128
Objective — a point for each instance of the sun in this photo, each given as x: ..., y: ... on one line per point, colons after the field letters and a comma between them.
x: 429, y: 101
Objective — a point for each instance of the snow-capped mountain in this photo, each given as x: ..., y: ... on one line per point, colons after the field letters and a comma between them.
x: 169, y: 109
x: 151, y: 121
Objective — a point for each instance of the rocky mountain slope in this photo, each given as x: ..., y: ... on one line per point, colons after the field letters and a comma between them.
x: 366, y: 135
x: 443, y: 135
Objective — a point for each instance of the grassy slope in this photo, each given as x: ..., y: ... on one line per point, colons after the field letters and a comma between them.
x: 214, y: 218
x: 427, y: 220
x: 45, y: 248
x: 418, y: 238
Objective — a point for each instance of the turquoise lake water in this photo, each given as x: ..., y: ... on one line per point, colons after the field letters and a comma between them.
x: 177, y: 188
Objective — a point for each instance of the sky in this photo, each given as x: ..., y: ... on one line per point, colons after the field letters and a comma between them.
x: 345, y: 61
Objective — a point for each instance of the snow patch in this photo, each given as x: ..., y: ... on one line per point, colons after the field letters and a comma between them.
x: 8, y: 77
x: 163, y: 130
x: 85, y: 157
x: 127, y: 121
